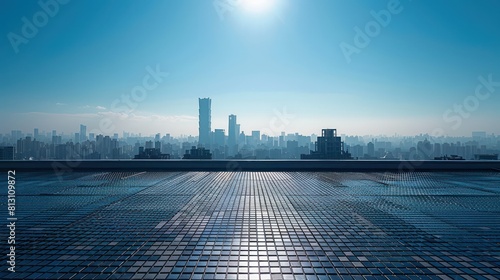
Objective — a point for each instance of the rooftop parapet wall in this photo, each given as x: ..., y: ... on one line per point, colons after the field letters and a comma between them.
x: 252, y: 165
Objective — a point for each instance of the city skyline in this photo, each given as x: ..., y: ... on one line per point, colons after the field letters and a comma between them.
x: 73, y: 132
x: 365, y: 68
x: 252, y: 145
x: 240, y: 145
x: 275, y: 127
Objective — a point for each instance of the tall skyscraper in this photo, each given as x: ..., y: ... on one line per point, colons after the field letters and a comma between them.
x: 370, y: 149
x: 219, y: 137
x: 83, y: 133
x: 205, y: 122
x: 232, y: 136
x: 16, y: 135
x: 255, y: 137
x: 237, y: 132
x: 35, y: 134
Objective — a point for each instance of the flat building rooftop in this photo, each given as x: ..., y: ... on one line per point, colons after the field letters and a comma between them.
x: 255, y: 225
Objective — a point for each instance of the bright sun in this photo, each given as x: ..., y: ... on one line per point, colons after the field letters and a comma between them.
x: 257, y: 6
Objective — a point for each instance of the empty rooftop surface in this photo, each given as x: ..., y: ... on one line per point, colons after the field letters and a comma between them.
x: 255, y: 225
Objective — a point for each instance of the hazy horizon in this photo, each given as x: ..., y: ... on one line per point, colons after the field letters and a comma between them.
x: 362, y: 67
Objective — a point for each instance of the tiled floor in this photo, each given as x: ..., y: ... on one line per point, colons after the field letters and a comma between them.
x: 256, y: 225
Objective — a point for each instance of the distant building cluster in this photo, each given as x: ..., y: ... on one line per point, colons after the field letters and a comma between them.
x: 239, y: 145
x: 197, y: 153
x: 151, y: 153
x: 236, y: 144
x: 421, y: 148
x: 7, y: 153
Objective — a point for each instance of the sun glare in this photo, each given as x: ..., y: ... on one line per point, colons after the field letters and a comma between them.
x: 257, y: 6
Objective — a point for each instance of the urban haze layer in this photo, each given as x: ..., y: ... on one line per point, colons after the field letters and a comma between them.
x: 236, y: 144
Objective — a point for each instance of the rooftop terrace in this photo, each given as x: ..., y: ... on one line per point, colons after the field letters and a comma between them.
x: 256, y: 225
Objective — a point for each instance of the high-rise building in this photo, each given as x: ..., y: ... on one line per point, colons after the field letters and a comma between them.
x: 242, y: 139
x: 219, y: 137
x: 238, y: 130
x: 437, y: 149
x: 256, y: 137
x: 232, y: 136
x: 35, y: 134
x: 83, y: 133
x: 357, y: 151
x: 370, y: 149
x: 56, y: 140
x: 204, y: 121
x: 329, y: 143
x: 158, y: 145
x: 328, y: 146
x: 197, y: 153
x: 424, y: 149
x: 281, y: 141
x: 292, y: 148
x: 7, y: 153
x: 16, y: 135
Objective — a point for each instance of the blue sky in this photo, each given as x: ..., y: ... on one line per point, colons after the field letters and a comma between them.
x: 262, y: 65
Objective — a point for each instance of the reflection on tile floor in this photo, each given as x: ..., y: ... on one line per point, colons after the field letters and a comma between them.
x: 256, y: 225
